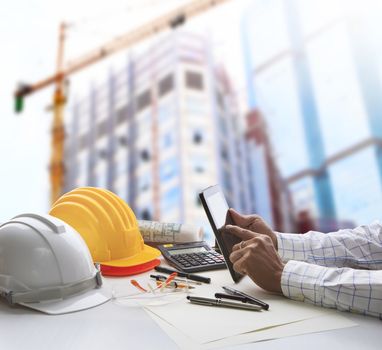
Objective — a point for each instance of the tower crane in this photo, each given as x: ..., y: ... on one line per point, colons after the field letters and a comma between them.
x: 170, y: 20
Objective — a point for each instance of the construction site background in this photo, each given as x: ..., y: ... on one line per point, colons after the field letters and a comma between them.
x: 282, y: 108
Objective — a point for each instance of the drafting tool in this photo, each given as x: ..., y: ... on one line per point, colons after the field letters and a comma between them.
x: 179, y: 280
x: 174, y: 285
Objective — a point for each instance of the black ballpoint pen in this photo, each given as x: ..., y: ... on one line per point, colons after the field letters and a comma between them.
x: 190, y: 276
x: 219, y: 302
x: 232, y: 297
x: 250, y: 298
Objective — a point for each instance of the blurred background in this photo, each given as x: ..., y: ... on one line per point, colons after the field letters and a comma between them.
x: 278, y: 101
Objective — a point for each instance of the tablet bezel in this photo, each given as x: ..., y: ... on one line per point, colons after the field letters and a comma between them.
x: 212, y: 190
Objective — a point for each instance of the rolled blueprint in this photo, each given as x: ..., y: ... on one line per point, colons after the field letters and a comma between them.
x: 158, y: 232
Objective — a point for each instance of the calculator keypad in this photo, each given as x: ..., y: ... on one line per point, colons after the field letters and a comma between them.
x: 199, y: 259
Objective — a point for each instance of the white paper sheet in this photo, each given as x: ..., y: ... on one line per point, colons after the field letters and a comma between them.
x: 320, y: 319
x: 205, y: 324
x: 330, y: 321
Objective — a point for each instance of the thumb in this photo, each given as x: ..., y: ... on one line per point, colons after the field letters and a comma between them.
x: 238, y: 219
x: 242, y: 233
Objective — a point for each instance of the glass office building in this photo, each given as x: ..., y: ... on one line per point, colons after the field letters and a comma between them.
x: 313, y: 69
x: 159, y: 131
x: 272, y: 197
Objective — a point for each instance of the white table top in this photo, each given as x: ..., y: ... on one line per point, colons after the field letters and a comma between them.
x: 111, y: 326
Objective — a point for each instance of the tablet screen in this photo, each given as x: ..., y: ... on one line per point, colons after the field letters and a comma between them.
x: 216, y: 208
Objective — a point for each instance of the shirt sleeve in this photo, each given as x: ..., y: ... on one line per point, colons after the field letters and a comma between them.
x: 345, y: 289
x: 359, y: 248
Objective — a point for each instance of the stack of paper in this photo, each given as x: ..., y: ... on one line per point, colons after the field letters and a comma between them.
x: 195, y: 326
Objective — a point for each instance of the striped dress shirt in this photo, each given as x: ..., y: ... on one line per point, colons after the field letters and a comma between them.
x: 340, y: 269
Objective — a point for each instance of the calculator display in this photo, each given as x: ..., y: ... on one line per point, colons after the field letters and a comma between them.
x: 188, y: 251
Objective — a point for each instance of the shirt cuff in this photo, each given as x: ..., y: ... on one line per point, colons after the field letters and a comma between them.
x: 301, y: 281
x: 292, y: 246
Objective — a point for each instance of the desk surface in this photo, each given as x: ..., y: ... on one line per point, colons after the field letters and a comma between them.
x: 112, y: 326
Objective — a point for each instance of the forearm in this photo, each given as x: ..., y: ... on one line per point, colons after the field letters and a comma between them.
x: 360, y: 247
x: 341, y: 288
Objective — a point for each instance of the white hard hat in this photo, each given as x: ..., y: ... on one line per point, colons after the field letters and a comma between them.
x: 46, y: 265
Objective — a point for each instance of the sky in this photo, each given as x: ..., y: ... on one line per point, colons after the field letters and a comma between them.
x: 28, y: 36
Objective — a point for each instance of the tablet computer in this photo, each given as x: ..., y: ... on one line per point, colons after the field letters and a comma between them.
x: 216, y: 208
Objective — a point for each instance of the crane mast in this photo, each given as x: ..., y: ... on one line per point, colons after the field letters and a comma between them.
x: 57, y: 170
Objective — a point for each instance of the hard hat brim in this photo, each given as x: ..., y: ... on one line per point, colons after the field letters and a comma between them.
x: 128, y: 270
x: 75, y: 303
x: 145, y: 255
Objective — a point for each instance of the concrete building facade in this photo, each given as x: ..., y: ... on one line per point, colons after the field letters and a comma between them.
x: 159, y: 131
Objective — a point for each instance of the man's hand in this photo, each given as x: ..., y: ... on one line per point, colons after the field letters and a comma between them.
x: 253, y: 223
x: 256, y: 257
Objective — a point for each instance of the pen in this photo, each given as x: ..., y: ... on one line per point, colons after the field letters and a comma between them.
x: 218, y: 302
x: 183, y: 274
x: 232, y: 297
x: 251, y: 299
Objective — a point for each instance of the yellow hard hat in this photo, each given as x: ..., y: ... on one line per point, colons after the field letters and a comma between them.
x: 107, y: 224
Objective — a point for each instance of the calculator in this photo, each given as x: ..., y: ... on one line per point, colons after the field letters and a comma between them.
x: 192, y: 257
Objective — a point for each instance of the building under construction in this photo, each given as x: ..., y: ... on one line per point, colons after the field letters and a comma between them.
x: 159, y: 131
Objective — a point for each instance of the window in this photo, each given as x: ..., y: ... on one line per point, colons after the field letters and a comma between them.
x: 122, y: 114
x: 223, y: 125
x: 199, y: 164
x: 167, y: 140
x: 121, y: 167
x: 101, y: 176
x: 166, y: 85
x: 143, y: 100
x: 196, y: 106
x: 83, y: 163
x: 82, y: 111
x: 224, y: 153
x: 145, y: 155
x: 165, y: 112
x: 121, y: 190
x: 82, y: 141
x: 144, y: 182
x: 146, y: 214
x: 194, y: 80
x: 102, y: 128
x: 198, y: 201
x: 102, y: 153
x: 143, y: 123
x: 170, y: 200
x: 123, y: 141
x: 169, y: 169
x: 227, y: 181
x: 220, y: 99
x: 197, y: 137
